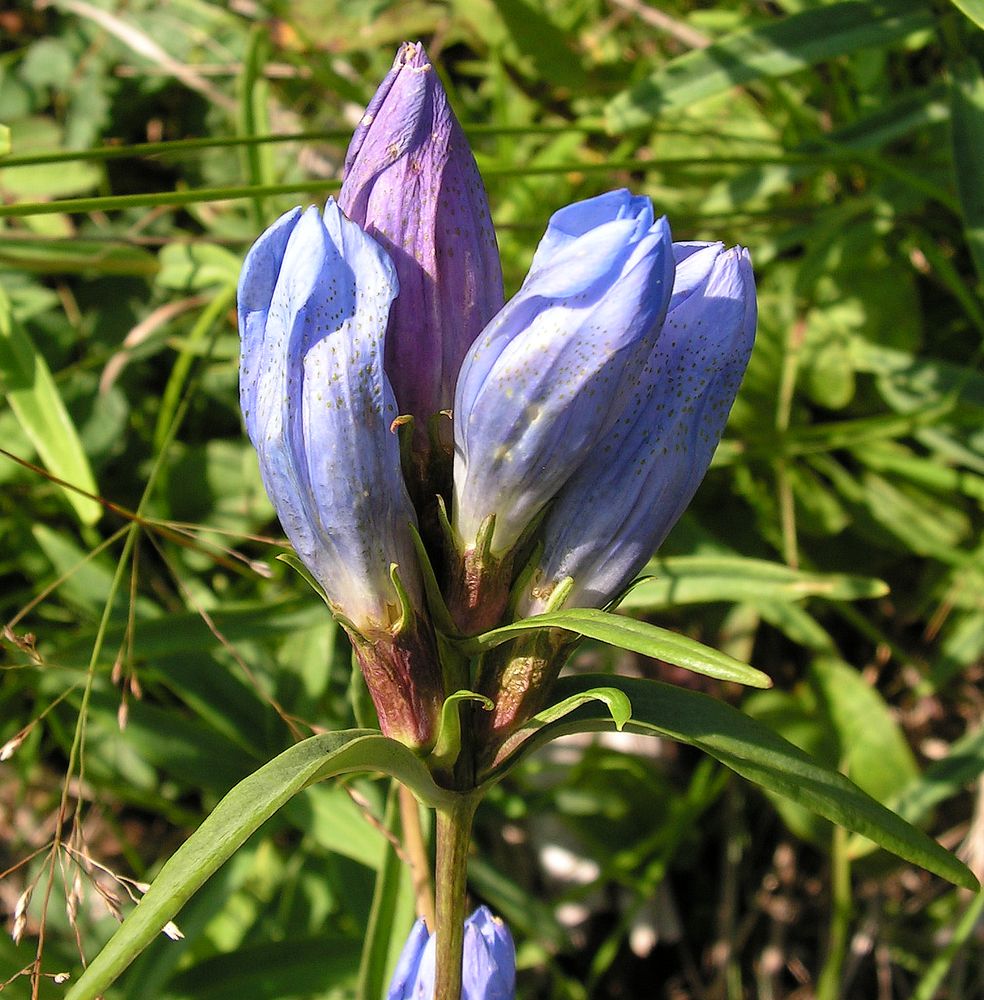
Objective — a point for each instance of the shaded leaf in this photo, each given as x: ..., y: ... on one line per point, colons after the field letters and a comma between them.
x: 679, y: 580
x: 757, y: 753
x: 967, y: 130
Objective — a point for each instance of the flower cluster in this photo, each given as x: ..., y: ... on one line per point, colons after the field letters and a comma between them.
x: 422, y: 441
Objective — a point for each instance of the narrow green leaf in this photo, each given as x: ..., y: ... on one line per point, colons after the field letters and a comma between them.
x: 755, y: 752
x: 974, y: 9
x: 774, y: 49
x: 627, y: 633
x: 240, y: 813
x: 967, y: 130
x: 929, y: 986
x: 5, y: 144
x: 944, y: 778
x: 871, y: 748
x: 34, y: 398
x: 203, y: 332
x: 75, y: 256
x: 702, y: 579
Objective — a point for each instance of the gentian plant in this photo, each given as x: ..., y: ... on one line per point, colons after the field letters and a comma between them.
x: 472, y: 485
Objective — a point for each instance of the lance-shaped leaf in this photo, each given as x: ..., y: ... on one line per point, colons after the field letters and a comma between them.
x: 752, y: 750
x: 627, y: 633
x: 250, y: 803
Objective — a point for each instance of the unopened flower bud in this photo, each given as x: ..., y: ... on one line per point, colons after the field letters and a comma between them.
x: 412, y: 183
x: 622, y: 502
x: 539, y: 388
x: 314, y: 298
x: 488, y: 962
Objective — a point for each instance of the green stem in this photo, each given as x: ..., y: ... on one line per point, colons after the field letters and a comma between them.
x: 828, y: 986
x: 454, y: 824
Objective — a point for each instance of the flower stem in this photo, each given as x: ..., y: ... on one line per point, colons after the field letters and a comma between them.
x: 454, y: 824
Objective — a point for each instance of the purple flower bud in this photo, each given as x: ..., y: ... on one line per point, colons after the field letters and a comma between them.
x: 488, y: 962
x: 411, y: 182
x: 622, y: 502
x: 548, y: 376
x: 314, y: 297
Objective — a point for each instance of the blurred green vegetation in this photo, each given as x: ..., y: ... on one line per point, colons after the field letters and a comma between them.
x: 155, y: 652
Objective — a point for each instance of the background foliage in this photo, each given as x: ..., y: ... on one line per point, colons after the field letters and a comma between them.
x: 155, y: 651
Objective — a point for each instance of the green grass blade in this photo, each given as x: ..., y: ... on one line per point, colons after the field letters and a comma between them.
x: 967, y: 129
x: 640, y: 637
x: 757, y: 753
x: 679, y: 580
x: 775, y: 49
x: 254, y: 118
x: 242, y: 811
x: 34, y: 398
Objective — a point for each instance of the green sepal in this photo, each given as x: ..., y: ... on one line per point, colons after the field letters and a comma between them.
x: 559, y: 595
x: 402, y: 426
x: 408, y: 614
x: 627, y: 633
x: 483, y: 541
x: 448, y: 744
x: 243, y: 809
x: 617, y: 702
x: 450, y: 541
x: 455, y: 665
x: 291, y: 559
x: 432, y: 589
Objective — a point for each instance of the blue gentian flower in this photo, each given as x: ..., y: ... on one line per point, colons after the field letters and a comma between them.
x: 314, y: 299
x: 613, y: 513
x: 488, y: 962
x: 547, y: 377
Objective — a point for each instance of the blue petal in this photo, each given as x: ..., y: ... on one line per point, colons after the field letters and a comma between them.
x: 321, y: 415
x: 567, y: 224
x: 489, y: 966
x: 257, y: 281
x: 408, y: 965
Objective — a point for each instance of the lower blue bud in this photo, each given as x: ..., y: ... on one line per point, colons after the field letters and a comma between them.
x: 488, y: 962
